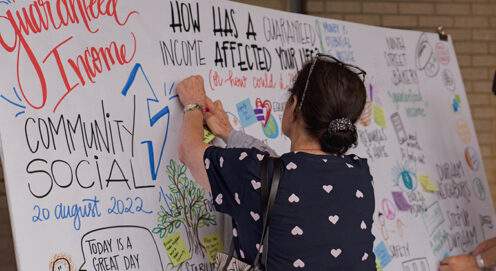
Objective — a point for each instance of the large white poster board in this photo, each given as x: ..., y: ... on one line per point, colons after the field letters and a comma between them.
x: 89, y: 124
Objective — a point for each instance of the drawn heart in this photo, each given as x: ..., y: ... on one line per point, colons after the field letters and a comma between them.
x: 336, y: 252
x: 255, y: 216
x: 256, y: 185
x: 363, y: 226
x: 235, y: 232
x: 259, y: 248
x: 327, y: 188
x: 349, y: 166
x: 359, y: 194
x: 325, y: 160
x: 365, y: 256
x: 297, y: 231
x: 218, y: 199
x: 221, y: 161
x: 293, y: 198
x: 291, y: 166
x: 243, y: 155
x: 268, y: 108
x: 334, y: 219
x: 299, y: 264
x: 260, y: 157
x: 207, y: 163
x: 236, y: 197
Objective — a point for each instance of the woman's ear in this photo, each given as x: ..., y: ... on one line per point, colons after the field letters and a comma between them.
x: 293, y: 107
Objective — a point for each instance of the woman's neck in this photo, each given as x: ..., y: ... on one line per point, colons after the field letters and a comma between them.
x: 304, y: 143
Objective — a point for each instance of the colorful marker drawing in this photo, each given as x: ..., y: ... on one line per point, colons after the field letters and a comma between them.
x: 405, y: 177
x: 16, y: 104
x: 263, y: 113
x: 472, y: 158
x: 185, y: 205
x: 151, y: 97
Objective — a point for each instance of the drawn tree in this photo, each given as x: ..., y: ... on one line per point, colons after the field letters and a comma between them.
x: 185, y: 206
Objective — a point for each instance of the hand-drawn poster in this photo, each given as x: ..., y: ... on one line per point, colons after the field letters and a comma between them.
x: 89, y: 125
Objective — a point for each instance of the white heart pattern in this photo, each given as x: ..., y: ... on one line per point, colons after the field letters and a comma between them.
x: 256, y: 185
x: 359, y: 194
x: 291, y: 166
x: 336, y: 252
x: 221, y: 161
x: 260, y: 157
x: 349, y: 166
x: 243, y: 155
x: 327, y: 188
x: 325, y: 160
x: 207, y: 163
x: 334, y: 219
x: 299, y: 264
x: 235, y: 232
x: 255, y: 216
x: 218, y: 199
x: 293, y: 198
x: 242, y: 254
x: 297, y: 231
x: 236, y: 198
x: 365, y: 256
x: 363, y: 226
x: 356, y: 158
x: 259, y: 248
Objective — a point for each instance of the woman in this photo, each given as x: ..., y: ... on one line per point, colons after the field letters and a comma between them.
x: 322, y: 217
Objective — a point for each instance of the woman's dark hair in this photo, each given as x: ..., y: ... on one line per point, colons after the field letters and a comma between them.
x: 333, y: 92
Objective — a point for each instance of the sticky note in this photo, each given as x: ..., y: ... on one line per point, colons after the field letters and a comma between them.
x: 378, y: 264
x: 213, y: 244
x: 400, y: 201
x: 245, y: 112
x: 427, y: 184
x: 176, y: 249
x: 382, y: 255
x: 379, y: 116
x: 208, y: 136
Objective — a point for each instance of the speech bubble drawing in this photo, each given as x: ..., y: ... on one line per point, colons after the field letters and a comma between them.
x: 120, y: 248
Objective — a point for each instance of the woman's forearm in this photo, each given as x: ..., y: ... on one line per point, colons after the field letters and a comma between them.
x: 192, y: 147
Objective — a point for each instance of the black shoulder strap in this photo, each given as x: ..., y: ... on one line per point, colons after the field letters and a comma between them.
x: 268, y: 199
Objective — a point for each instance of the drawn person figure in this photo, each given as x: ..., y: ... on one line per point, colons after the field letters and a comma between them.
x: 482, y: 258
x: 401, y: 228
x: 322, y: 217
x: 384, y: 231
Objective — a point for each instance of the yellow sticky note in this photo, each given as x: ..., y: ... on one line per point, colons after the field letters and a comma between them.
x: 378, y: 264
x: 208, y: 136
x: 213, y: 244
x: 427, y: 184
x: 176, y: 249
x: 379, y: 116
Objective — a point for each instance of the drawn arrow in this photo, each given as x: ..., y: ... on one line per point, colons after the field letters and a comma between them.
x: 152, y: 118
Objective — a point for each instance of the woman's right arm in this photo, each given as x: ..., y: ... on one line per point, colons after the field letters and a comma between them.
x: 218, y: 122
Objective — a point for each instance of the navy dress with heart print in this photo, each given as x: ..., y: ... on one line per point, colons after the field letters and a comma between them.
x: 322, y: 216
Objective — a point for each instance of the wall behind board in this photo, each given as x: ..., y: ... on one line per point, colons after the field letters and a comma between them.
x: 472, y: 24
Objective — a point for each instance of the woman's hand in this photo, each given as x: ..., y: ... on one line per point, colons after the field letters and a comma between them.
x: 459, y: 263
x: 484, y: 246
x: 217, y: 119
x: 192, y: 91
